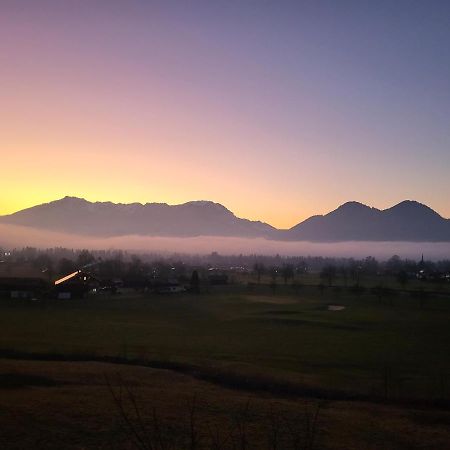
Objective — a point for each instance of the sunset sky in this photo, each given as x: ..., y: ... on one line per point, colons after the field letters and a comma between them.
x: 276, y: 109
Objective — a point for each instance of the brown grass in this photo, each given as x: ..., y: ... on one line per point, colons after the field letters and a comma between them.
x: 75, y: 409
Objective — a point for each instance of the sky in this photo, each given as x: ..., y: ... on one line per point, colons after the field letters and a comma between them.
x: 277, y: 109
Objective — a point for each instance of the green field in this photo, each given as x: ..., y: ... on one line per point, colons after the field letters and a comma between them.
x: 396, y: 347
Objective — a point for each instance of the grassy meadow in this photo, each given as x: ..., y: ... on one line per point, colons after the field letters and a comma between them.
x: 273, y: 343
x: 285, y: 333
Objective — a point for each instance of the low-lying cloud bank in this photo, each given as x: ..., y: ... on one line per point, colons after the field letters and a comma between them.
x: 13, y: 236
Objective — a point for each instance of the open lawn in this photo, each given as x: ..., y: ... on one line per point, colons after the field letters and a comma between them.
x: 396, y: 347
x: 264, y: 367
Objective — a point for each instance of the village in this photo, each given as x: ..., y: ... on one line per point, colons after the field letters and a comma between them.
x: 34, y: 275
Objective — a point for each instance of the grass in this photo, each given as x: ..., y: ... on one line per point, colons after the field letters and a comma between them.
x: 76, y: 410
x: 392, y: 348
x: 254, y: 357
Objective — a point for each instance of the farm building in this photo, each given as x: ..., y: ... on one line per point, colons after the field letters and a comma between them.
x: 22, y: 288
x: 217, y: 276
x: 75, y: 285
x: 167, y: 287
x: 22, y: 281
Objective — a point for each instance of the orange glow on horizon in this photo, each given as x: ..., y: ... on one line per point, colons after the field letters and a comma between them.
x: 265, y: 120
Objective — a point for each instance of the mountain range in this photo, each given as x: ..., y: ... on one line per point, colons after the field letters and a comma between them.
x: 352, y: 221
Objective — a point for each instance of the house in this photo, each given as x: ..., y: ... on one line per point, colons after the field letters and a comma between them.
x: 170, y: 289
x: 217, y: 277
x: 170, y: 286
x: 22, y: 288
x: 22, y: 281
x: 75, y: 285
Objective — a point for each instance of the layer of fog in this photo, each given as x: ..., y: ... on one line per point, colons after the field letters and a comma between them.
x: 12, y: 236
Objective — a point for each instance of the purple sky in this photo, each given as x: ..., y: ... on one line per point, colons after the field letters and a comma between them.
x: 279, y: 110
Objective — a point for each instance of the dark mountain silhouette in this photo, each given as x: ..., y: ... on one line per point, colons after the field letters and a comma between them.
x: 353, y: 221
x: 198, y: 218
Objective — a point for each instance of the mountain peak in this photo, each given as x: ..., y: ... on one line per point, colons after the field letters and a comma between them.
x: 207, y: 204
x: 407, y: 221
x: 353, y: 205
x: 412, y: 207
x: 71, y: 198
x: 80, y: 216
x: 410, y: 204
x: 68, y: 199
x: 351, y: 208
